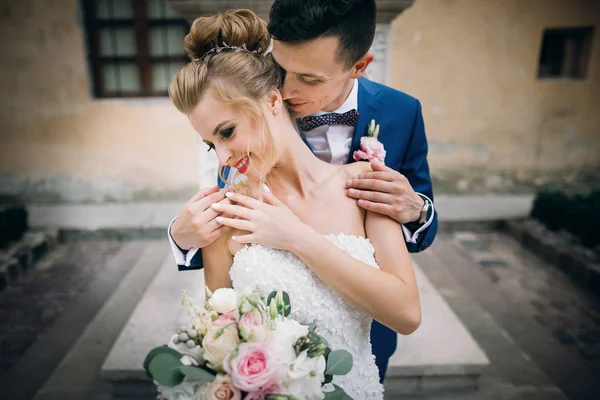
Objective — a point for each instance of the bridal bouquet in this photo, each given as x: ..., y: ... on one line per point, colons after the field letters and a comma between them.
x: 246, y: 348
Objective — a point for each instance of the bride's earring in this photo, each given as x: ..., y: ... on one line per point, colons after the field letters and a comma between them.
x: 275, y: 111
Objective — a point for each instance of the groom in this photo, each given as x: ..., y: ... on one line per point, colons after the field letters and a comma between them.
x: 322, y: 47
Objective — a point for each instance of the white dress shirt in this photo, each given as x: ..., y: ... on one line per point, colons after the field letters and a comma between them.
x: 331, y: 143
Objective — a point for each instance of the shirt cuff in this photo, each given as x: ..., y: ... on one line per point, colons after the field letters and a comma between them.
x: 181, y: 258
x: 411, y: 237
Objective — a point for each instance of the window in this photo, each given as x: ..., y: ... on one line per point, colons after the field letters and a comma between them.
x: 565, y: 53
x: 134, y: 46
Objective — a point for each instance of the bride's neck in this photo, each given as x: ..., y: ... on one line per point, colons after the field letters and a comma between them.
x: 297, y: 169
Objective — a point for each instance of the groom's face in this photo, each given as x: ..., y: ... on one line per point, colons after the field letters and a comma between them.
x: 315, y: 78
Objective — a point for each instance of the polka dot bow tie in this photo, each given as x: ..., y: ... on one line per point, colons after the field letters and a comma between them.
x: 309, y: 123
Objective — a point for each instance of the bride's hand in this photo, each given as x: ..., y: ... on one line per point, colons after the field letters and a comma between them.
x: 270, y: 223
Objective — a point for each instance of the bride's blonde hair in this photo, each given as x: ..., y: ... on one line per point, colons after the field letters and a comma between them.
x: 239, y: 78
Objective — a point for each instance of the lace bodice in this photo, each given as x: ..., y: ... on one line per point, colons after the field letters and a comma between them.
x: 338, y: 321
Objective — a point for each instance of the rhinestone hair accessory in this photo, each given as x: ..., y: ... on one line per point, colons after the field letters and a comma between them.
x: 226, y: 47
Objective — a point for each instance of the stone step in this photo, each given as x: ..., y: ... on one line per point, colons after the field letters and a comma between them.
x: 78, y: 375
x: 440, y: 356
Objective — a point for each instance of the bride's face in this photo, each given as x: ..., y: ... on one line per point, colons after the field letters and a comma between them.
x: 234, y: 136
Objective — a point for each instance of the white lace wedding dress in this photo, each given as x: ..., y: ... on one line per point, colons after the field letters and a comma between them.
x: 343, y: 325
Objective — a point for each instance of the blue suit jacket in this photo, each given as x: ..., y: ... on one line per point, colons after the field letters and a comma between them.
x: 402, y: 132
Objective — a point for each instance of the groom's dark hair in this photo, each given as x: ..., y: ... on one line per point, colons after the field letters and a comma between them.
x: 352, y: 21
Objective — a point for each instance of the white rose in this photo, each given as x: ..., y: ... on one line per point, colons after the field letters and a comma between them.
x: 287, y: 332
x: 223, y: 301
x: 217, y: 348
x: 305, y: 377
x: 304, y: 366
x: 305, y: 389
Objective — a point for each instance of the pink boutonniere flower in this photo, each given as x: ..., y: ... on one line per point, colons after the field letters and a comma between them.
x: 371, y: 149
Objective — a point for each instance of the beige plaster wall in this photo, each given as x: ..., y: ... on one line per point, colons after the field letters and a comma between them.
x: 473, y: 64
x: 58, y: 143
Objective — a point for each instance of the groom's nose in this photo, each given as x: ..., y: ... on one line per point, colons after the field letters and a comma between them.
x: 288, y: 90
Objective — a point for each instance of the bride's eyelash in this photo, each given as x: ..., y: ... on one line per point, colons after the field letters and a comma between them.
x: 227, y: 133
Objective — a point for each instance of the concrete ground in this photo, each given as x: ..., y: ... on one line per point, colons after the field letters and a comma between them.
x: 517, y: 308
x: 539, y: 331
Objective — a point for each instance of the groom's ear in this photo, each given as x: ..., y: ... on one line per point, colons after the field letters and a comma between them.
x: 361, y: 66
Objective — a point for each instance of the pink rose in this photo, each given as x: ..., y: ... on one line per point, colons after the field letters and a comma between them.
x: 252, y: 368
x: 270, y: 388
x: 220, y: 389
x: 225, y: 319
x: 252, y: 318
x: 371, y: 149
x: 253, y: 326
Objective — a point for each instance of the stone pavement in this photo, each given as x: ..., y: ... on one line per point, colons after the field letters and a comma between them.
x: 535, y: 306
x: 32, y: 304
x: 538, y: 331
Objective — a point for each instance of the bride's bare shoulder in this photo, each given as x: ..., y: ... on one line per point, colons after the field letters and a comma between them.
x: 356, y: 168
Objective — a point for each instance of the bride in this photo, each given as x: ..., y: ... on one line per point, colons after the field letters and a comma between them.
x: 295, y: 229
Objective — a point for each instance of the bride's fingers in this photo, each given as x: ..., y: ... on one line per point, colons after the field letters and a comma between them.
x: 244, y: 200
x: 244, y: 239
x: 271, y: 199
x: 232, y: 210
x: 236, y: 223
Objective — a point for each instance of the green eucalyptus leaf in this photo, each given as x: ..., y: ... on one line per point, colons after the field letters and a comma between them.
x: 154, y: 352
x: 165, y: 369
x: 197, y: 373
x: 337, y: 394
x: 339, y: 362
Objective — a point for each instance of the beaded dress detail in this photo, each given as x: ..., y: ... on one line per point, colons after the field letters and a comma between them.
x: 338, y: 321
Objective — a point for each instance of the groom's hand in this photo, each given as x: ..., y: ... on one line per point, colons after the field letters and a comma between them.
x: 386, y: 191
x: 195, y: 226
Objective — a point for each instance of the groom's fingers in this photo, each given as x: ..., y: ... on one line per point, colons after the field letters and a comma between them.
x: 377, y: 197
x: 203, y: 193
x: 382, y: 176
x: 375, y: 185
x: 204, y: 203
x: 220, y: 231
x: 379, y: 208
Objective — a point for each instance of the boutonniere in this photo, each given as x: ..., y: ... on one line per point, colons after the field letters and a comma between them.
x: 371, y: 149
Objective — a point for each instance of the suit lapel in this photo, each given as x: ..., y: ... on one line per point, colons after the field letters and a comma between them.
x: 368, y: 107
